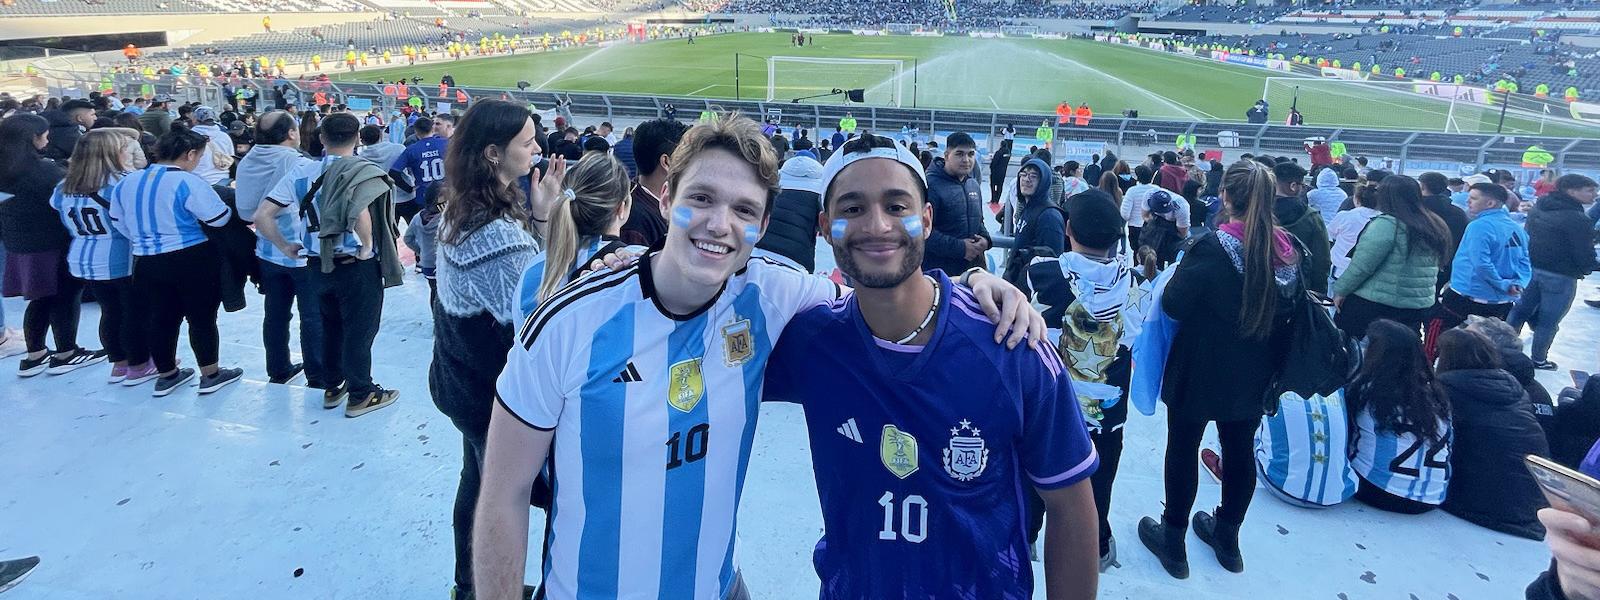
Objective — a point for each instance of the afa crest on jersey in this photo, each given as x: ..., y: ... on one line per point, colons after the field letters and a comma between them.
x: 898, y: 451
x: 685, y: 388
x: 737, y: 344
x: 967, y: 456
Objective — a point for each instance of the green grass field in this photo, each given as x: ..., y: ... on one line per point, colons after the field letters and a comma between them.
x: 963, y: 73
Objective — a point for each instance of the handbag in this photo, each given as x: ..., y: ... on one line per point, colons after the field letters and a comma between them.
x: 1315, y: 357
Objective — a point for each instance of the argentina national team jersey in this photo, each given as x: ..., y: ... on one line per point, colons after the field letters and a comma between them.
x: 98, y: 252
x: 533, y: 276
x: 160, y: 209
x: 653, y: 416
x: 1302, y: 450
x: 293, y: 222
x: 922, y: 454
x: 1401, y: 464
x: 423, y: 160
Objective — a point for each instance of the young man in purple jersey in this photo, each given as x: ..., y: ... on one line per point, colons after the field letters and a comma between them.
x: 923, y: 429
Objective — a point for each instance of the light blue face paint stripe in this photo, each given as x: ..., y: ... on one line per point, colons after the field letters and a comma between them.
x: 752, y: 234
x: 604, y: 413
x: 839, y: 227
x: 685, y: 496
x: 681, y: 215
x: 748, y: 305
x: 913, y: 226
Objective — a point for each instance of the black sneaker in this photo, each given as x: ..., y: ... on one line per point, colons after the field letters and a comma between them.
x: 1545, y: 365
x: 295, y: 371
x: 12, y: 572
x: 371, y: 402
x: 79, y: 358
x: 336, y: 396
x: 33, y: 366
x: 215, y: 381
x: 167, y: 384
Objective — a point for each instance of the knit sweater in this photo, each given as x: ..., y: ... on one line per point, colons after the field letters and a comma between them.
x: 480, y: 274
x: 1385, y: 268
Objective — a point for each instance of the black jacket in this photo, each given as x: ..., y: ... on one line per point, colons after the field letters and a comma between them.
x: 792, y: 232
x: 1041, y: 224
x: 999, y: 163
x: 1455, y: 220
x: 64, y: 135
x: 1560, y: 237
x: 957, y: 215
x: 1571, y: 428
x: 1297, y: 218
x: 27, y: 222
x: 1494, y: 428
x: 1214, y: 372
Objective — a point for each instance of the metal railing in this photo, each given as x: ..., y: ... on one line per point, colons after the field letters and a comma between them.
x: 1116, y: 132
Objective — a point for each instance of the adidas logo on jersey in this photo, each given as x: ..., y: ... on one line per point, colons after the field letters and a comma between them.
x: 628, y: 375
x: 848, y: 429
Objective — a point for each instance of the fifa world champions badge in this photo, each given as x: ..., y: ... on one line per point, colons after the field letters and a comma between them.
x: 898, y: 450
x: 966, y: 456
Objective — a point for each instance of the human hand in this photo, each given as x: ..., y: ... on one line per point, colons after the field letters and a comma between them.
x: 291, y: 250
x: 1575, y: 544
x: 1008, y: 307
x: 614, y: 261
x: 547, y: 187
x: 972, y: 250
x: 1515, y: 290
x: 982, y: 242
x: 1338, y: 301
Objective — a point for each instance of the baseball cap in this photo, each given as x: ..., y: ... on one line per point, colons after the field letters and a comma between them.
x: 204, y: 113
x: 1096, y: 219
x: 1476, y: 179
x: 163, y: 98
x: 1160, y: 203
x: 882, y: 147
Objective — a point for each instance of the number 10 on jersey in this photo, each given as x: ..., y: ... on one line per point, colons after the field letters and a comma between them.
x: 913, y: 510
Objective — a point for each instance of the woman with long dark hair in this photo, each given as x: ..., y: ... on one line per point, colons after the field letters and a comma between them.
x: 1395, y: 262
x: 1231, y: 296
x: 100, y: 255
x: 36, y: 250
x: 175, y: 268
x: 1401, y: 432
x: 488, y: 235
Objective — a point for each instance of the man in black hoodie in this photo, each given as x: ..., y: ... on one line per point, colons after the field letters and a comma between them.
x: 67, y: 124
x: 1561, y: 249
x: 958, y: 239
x: 1296, y: 217
x: 1436, y: 199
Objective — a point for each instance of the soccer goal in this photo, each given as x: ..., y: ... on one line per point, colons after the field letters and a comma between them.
x: 1019, y: 31
x: 790, y: 77
x: 1414, y: 105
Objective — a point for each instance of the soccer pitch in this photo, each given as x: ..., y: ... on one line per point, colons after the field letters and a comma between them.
x: 1029, y: 75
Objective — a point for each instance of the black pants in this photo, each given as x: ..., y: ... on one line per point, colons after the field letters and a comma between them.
x: 57, y: 315
x: 405, y: 210
x: 1183, y: 468
x: 351, y: 301
x: 184, y: 285
x: 1376, y: 497
x: 1453, y: 310
x: 1108, y: 444
x: 1356, y: 313
x: 123, y: 328
x: 996, y: 187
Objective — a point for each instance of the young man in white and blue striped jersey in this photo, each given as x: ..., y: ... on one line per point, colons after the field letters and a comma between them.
x: 665, y: 357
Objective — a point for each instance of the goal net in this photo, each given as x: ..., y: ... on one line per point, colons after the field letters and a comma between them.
x: 791, y: 77
x: 1019, y: 30
x: 1412, y: 105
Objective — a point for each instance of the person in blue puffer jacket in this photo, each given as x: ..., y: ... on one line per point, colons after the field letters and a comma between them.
x: 958, y: 239
x: 1491, y: 266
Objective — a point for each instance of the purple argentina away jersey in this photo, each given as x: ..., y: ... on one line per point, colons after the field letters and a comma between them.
x: 922, y: 454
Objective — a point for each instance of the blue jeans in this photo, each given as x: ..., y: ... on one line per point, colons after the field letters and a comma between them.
x: 286, y: 288
x: 1542, y: 306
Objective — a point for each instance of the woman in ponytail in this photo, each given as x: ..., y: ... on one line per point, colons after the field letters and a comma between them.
x: 584, y: 223
x: 487, y: 238
x: 1231, y: 295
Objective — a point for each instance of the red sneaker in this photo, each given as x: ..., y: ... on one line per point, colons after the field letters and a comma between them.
x: 1212, y: 463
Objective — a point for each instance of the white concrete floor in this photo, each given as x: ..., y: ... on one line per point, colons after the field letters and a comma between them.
x: 258, y: 492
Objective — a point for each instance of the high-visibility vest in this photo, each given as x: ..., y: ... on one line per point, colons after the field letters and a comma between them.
x: 1537, y: 158
x: 320, y: 98
x: 1542, y: 91
x: 1185, y: 141
x: 1044, y: 134
x: 1063, y: 113
x: 848, y: 124
x: 389, y: 90
x: 706, y: 116
x: 1336, y: 149
x: 1083, y: 116
x: 1435, y: 76
x: 1571, y: 94
x: 415, y: 102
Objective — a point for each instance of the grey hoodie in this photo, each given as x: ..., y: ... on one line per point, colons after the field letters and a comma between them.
x: 258, y: 173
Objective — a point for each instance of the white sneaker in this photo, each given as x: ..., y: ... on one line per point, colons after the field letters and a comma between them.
x: 11, y: 343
